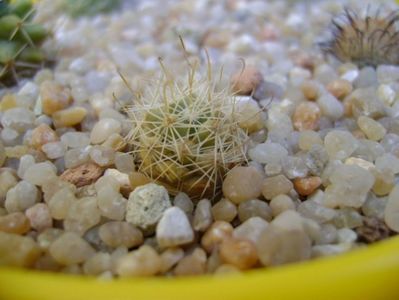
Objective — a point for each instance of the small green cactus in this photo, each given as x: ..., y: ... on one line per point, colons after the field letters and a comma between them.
x: 20, y: 55
x: 185, y: 135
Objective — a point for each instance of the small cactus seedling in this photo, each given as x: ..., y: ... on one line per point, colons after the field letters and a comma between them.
x: 20, y: 55
x: 185, y: 135
x: 368, y: 41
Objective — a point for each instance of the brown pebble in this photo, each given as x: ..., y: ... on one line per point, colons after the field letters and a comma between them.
x: 372, y: 230
x: 303, y: 60
x: 82, y: 175
x: 306, y: 116
x: 16, y: 223
x: 239, y: 253
x: 348, y: 107
x: 306, y: 186
x: 340, y: 88
x: 245, y: 81
x: 310, y: 90
x: 41, y: 135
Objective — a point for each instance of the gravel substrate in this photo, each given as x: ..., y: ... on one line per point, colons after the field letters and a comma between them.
x: 315, y: 173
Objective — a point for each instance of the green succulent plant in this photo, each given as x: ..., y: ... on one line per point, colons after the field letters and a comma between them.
x: 20, y: 40
x: 185, y: 135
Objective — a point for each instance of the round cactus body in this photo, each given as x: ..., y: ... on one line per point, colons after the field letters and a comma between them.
x: 186, y: 136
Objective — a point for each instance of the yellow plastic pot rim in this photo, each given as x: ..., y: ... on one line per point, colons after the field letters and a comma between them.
x: 367, y: 273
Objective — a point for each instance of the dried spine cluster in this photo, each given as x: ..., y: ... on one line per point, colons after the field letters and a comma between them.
x: 365, y: 41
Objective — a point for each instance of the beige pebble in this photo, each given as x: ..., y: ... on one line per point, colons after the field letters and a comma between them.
x: 240, y: 253
x: 40, y: 173
x: 60, y: 203
x: 310, y: 90
x: 306, y: 186
x: 97, y: 264
x: 276, y: 185
x: 339, y: 88
x: 111, y: 203
x: 250, y: 116
x: 39, y: 216
x: 82, y: 215
x: 360, y: 162
x: 218, y: 231
x: 202, y: 215
x: 194, y: 264
x: 242, y: 183
x: 103, y: 129
x: 16, y: 151
x: 371, y: 128
x: 16, y: 223
x: 245, y: 81
x: 308, y: 138
x: 170, y: 257
x: 224, y: 210
x: 144, y: 261
x: 69, y: 117
x: 54, y: 97
x: 7, y: 181
x: 42, y: 135
x: 251, y: 229
x: 384, y: 182
x: 281, y: 203
x: 116, y: 234
x: 18, y: 251
x: 70, y: 248
x: 47, y: 237
x: 254, y: 208
x: 284, y: 240
x: 306, y: 116
x: 115, y: 141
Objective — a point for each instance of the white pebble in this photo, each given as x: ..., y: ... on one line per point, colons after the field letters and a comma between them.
x: 146, y: 205
x: 40, y: 173
x: 174, y: 229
